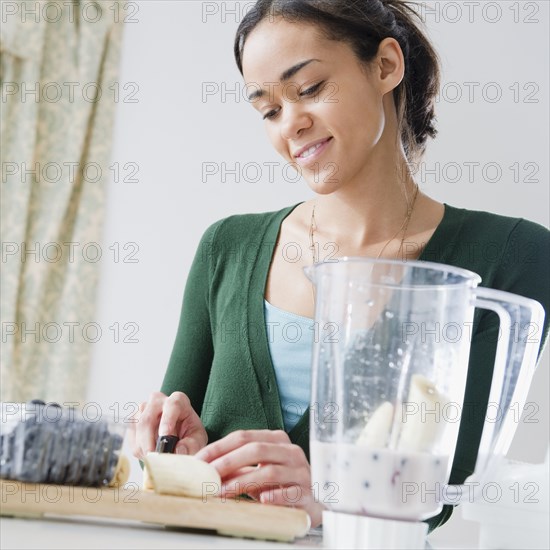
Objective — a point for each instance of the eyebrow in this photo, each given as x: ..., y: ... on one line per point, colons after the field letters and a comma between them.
x: 286, y: 75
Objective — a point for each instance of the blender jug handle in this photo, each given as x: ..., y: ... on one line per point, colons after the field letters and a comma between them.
x: 515, y: 362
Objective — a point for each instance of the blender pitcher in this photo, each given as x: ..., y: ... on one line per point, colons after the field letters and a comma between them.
x: 390, y: 360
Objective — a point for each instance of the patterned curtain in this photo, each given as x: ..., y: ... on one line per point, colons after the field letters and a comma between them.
x: 58, y: 76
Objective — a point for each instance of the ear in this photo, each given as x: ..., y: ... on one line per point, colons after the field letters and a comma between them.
x: 390, y: 65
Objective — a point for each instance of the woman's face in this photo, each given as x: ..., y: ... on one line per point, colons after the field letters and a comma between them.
x: 325, y: 103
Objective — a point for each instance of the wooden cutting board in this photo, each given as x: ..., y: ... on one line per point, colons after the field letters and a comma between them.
x: 238, y: 518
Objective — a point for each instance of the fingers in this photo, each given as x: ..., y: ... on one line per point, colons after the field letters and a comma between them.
x: 133, y: 420
x: 168, y: 415
x: 238, y: 439
x: 290, y: 495
x: 256, y: 480
x: 238, y: 473
x: 254, y: 453
x: 175, y: 410
x: 191, y: 444
x: 277, y: 485
x: 296, y: 497
x: 146, y: 429
x: 265, y: 465
x: 257, y: 458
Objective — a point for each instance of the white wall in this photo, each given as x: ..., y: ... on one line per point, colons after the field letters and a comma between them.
x: 174, y: 49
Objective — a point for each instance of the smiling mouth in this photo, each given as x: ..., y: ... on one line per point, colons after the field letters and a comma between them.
x: 311, y: 150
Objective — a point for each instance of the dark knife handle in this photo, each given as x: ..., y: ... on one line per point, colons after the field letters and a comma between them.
x: 166, y: 443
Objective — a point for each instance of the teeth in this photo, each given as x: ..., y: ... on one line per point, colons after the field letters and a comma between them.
x: 311, y: 150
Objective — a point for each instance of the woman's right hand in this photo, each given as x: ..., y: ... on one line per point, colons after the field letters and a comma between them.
x: 167, y: 415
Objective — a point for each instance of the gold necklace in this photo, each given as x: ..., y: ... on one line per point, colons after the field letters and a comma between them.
x: 404, y: 227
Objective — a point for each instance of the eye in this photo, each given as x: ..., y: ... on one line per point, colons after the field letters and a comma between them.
x: 270, y: 115
x: 313, y: 89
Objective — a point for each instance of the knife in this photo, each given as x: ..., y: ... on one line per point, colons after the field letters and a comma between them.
x: 166, y: 443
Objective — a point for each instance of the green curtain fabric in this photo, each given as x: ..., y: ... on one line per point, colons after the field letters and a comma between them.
x: 58, y: 75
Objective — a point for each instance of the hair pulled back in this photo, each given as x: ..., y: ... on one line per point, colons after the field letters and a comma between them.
x: 363, y: 24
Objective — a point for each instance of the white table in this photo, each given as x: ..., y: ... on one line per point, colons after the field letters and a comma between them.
x: 85, y: 533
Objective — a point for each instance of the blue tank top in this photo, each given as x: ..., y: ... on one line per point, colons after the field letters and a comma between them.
x: 290, y: 339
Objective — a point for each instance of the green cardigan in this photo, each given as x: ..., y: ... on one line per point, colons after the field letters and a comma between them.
x: 221, y: 356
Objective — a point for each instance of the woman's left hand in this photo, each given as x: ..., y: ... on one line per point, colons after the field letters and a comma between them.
x: 265, y: 465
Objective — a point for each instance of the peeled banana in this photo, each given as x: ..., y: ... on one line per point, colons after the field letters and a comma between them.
x: 420, y: 421
x: 377, y: 429
x: 422, y: 415
x: 181, y: 475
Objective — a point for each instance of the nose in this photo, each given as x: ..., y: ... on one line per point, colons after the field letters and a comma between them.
x: 294, y: 119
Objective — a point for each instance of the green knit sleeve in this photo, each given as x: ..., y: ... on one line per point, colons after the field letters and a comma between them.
x: 191, y: 358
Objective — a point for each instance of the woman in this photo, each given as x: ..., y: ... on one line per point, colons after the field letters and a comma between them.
x: 346, y: 90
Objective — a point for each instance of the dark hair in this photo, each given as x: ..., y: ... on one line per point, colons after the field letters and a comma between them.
x: 363, y: 24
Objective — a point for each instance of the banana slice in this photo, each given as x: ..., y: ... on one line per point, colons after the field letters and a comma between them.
x: 377, y: 429
x: 122, y: 472
x: 422, y: 416
x: 182, y: 475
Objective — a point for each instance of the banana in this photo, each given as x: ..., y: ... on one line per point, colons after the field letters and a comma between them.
x: 422, y: 421
x: 122, y: 472
x: 182, y: 475
x: 377, y: 429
